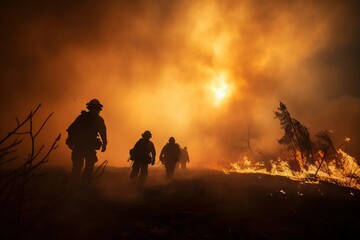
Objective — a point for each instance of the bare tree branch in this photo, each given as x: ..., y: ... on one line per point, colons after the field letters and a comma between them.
x: 19, y: 125
x: 100, y: 169
x: 43, y: 125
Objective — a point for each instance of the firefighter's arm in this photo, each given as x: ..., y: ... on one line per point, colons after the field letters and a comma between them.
x: 103, y: 135
x: 153, y: 154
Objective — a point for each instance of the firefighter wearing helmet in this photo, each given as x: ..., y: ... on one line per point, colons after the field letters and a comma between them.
x: 170, y: 155
x: 142, y: 154
x: 86, y: 135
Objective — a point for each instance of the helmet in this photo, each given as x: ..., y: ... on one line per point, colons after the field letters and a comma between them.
x: 94, y: 104
x: 146, y: 134
x: 171, y: 140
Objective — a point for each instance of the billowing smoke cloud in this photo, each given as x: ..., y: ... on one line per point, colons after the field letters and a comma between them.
x: 153, y: 65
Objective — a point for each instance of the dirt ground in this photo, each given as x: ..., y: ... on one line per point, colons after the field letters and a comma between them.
x: 201, y: 204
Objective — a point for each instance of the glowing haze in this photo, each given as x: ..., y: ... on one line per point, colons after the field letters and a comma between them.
x: 202, y: 71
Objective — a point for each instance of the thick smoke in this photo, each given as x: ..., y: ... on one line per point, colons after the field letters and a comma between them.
x: 151, y: 64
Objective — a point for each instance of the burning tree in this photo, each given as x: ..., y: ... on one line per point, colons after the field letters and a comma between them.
x: 296, y: 137
x: 327, y: 151
x: 315, y: 162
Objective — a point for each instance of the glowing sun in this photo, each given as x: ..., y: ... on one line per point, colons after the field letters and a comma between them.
x: 220, y: 88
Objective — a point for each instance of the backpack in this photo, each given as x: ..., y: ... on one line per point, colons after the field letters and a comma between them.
x: 141, y: 151
x: 171, y: 152
x: 132, y: 154
x: 83, y: 132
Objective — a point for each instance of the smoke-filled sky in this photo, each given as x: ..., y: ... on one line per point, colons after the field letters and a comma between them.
x: 204, y: 72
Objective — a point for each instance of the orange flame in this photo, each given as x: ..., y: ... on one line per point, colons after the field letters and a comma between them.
x: 347, y: 175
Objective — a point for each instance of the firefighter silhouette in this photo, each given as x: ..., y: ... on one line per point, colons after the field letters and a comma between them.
x: 169, y: 156
x: 84, y: 140
x: 184, y: 158
x: 143, y: 154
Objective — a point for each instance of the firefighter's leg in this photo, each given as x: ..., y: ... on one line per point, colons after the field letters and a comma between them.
x: 77, y: 157
x: 171, y: 169
x: 90, y: 160
x: 183, y: 166
x: 168, y: 170
x: 143, y: 173
x: 135, y: 170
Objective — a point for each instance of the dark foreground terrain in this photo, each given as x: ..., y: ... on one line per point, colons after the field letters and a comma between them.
x: 200, y: 204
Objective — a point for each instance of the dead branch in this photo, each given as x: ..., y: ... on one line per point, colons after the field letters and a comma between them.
x: 13, y: 183
x: 19, y: 125
x: 99, y: 170
x: 47, y: 119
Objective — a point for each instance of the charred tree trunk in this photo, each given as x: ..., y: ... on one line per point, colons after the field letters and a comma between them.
x: 321, y: 162
x: 296, y: 135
